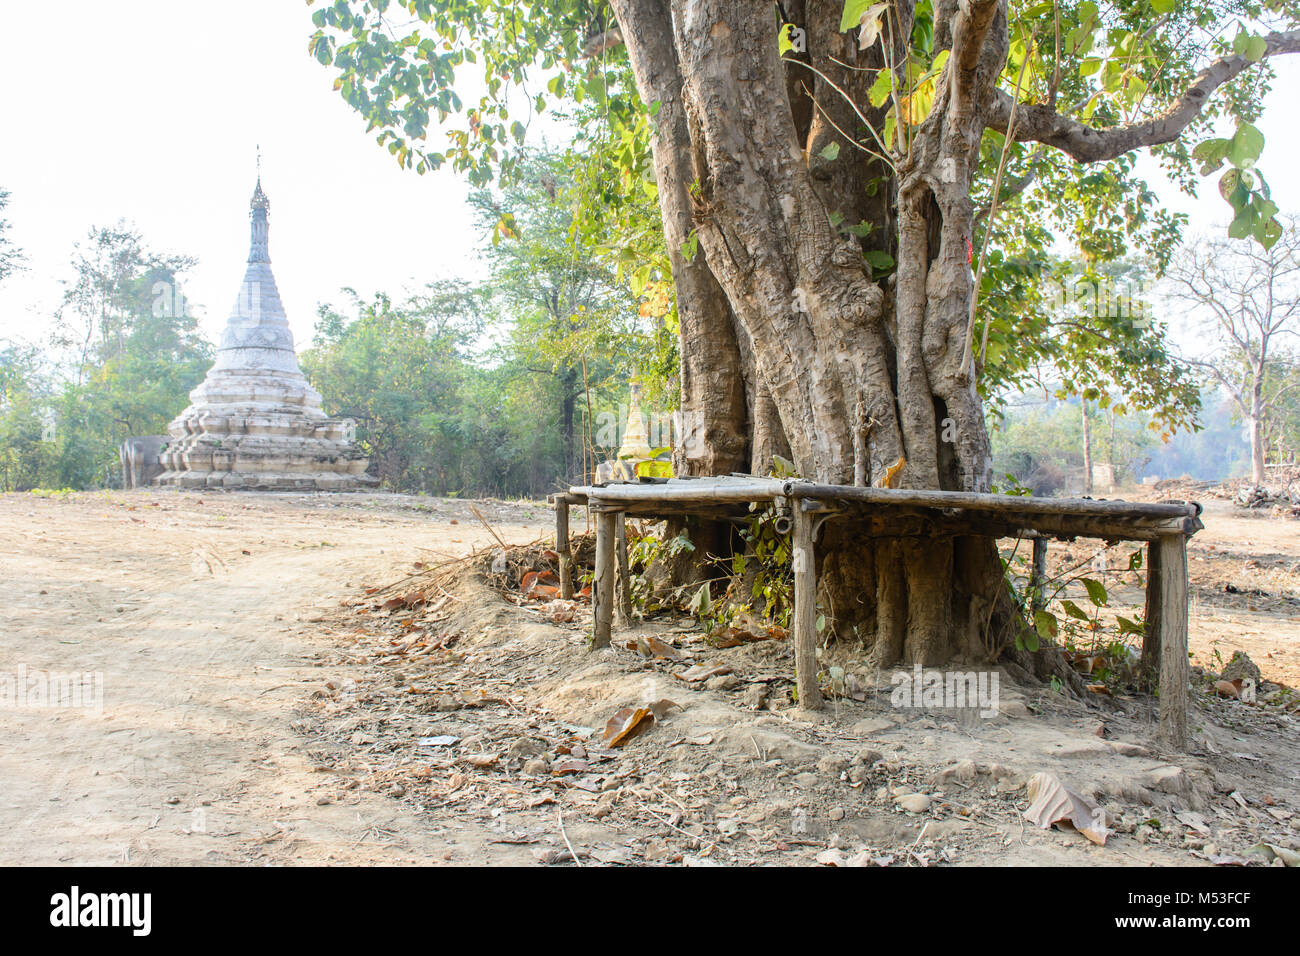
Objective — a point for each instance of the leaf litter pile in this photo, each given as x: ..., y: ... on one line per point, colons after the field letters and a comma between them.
x: 471, y: 697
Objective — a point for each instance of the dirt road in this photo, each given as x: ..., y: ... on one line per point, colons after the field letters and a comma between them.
x: 197, y: 611
x: 209, y: 619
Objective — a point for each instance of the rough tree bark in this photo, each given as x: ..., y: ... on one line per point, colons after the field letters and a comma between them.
x: 787, y: 342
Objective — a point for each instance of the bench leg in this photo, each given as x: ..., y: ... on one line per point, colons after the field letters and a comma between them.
x: 1174, y: 669
x: 1038, y: 575
x: 563, y: 549
x: 805, y: 611
x: 602, y: 590
x: 624, y: 606
x: 1150, y: 662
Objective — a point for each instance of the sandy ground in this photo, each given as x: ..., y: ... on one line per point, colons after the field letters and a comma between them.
x: 249, y: 718
x: 197, y: 610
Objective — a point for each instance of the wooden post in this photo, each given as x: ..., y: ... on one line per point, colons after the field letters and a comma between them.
x: 602, y: 589
x: 805, y: 610
x: 1150, y: 663
x: 1038, y: 574
x: 624, y: 582
x: 1174, y: 670
x: 562, y: 547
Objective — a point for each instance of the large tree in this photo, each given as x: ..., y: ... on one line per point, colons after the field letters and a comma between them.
x: 829, y: 175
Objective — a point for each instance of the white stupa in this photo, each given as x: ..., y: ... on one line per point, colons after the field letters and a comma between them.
x: 255, y: 423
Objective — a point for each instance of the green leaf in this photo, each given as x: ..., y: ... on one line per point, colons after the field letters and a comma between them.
x: 881, y: 89
x: 830, y: 152
x: 1268, y: 232
x: 784, y: 41
x: 691, y: 246
x: 879, y: 261
x: 1127, y: 626
x: 1246, y: 146
x: 699, y: 605
x: 1074, y: 610
x: 852, y: 14
x: 1096, y: 591
x: 1135, y: 560
x: 1046, y: 625
x: 1163, y: 6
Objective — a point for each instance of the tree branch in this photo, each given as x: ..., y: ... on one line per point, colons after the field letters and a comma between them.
x: 1087, y: 144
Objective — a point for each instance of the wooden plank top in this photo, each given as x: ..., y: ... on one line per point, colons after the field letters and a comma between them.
x: 738, y: 489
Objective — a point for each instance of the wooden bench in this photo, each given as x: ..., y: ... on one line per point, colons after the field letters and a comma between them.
x: 802, y: 505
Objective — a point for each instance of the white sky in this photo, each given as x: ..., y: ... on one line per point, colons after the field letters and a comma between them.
x: 152, y: 111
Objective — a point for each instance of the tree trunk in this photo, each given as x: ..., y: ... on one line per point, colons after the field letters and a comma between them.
x: 1087, y: 447
x: 568, y: 427
x: 1257, y: 427
x: 862, y: 385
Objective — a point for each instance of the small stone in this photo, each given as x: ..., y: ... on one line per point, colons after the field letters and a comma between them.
x: 868, y: 756
x: 836, y: 814
x: 722, y: 682
x: 526, y: 747
x: 858, y: 774
x: 913, y: 802
x: 963, y: 771
x: 323, y: 801
x: 535, y: 767
x: 755, y: 696
x: 1013, y: 708
x: 832, y: 765
x: 657, y: 850
x: 804, y: 780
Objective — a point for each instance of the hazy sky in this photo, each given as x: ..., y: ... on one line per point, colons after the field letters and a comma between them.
x: 151, y: 111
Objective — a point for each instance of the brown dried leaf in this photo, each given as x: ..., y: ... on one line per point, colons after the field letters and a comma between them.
x: 574, y: 765
x: 702, y: 672
x: 1052, y: 802
x: 659, y: 648
x: 659, y: 709
x: 1228, y: 688
x: 625, y: 724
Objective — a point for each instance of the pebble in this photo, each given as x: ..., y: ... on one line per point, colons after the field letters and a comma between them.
x: 832, y: 765
x: 914, y: 802
x: 836, y: 813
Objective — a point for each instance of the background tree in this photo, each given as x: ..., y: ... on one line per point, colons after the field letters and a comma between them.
x: 558, y: 301
x: 1247, y: 300
x: 823, y: 214
x: 126, y: 352
x: 11, y: 257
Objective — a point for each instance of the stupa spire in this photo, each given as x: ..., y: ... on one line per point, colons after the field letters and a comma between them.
x: 258, y: 209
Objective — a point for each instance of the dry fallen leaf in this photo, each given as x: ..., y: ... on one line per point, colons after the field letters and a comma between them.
x: 624, y: 725
x: 1228, y: 688
x: 658, y: 648
x: 702, y: 672
x: 1052, y: 802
